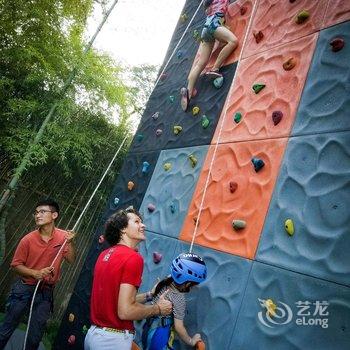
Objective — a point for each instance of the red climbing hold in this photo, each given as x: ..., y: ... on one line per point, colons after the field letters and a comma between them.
x: 233, y: 186
x: 337, y: 44
x: 71, y: 340
x: 243, y: 10
x: 101, y: 239
x: 277, y: 117
x: 258, y: 36
x: 157, y: 257
x: 163, y: 77
x: 289, y: 64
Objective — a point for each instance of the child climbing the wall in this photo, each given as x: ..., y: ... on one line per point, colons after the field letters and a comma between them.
x: 214, y: 29
x: 187, y: 270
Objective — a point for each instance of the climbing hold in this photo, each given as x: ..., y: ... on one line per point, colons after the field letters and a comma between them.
x: 218, y: 82
x: 292, y: 1
x: 337, y: 44
x: 179, y: 54
x: 145, y: 167
x: 200, y: 345
x: 184, y: 17
x: 195, y: 219
x: 159, y: 132
x: 302, y: 16
x: 130, y: 185
x: 193, y: 160
x: 177, y: 129
x: 258, y: 87
x: 71, y: 317
x: 289, y: 64
x: 205, y: 122
x: 238, y: 117
x: 233, y: 186
x: 195, y: 110
x: 271, y: 307
x: 258, y: 164
x: 238, y: 224
x: 171, y: 98
x: 151, y: 207
x: 276, y: 117
x: 258, y: 36
x: 155, y: 116
x: 101, y: 239
x: 172, y: 208
x: 139, y: 137
x: 157, y: 257
x: 163, y: 77
x: 116, y: 201
x: 289, y: 226
x: 194, y: 92
x: 71, y: 340
x: 243, y: 10
x: 167, y: 166
x: 85, y: 329
x: 196, y: 35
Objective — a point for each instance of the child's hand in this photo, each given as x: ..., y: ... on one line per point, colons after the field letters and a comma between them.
x: 165, y: 306
x: 195, y: 339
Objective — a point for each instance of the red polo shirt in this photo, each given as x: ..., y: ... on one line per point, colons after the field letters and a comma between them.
x: 116, y: 265
x: 33, y: 252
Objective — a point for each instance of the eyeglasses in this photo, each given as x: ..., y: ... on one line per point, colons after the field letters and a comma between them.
x: 41, y: 212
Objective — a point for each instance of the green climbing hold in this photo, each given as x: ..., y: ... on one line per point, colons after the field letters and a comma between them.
x: 239, y: 224
x: 258, y: 164
x: 139, y: 137
x: 196, y: 35
x: 238, y: 117
x: 172, y: 98
x: 205, y: 122
x: 302, y: 16
x: 167, y: 166
x: 177, y: 129
x: 193, y: 160
x: 258, y: 87
x: 218, y: 82
x: 289, y: 227
x: 85, y: 329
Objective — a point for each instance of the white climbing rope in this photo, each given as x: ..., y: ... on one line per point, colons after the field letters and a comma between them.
x: 177, y: 45
x: 221, y: 128
x: 74, y: 228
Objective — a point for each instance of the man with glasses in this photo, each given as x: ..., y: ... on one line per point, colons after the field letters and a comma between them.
x: 33, y: 262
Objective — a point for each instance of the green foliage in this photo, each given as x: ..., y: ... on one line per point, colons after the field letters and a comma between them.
x: 40, y: 44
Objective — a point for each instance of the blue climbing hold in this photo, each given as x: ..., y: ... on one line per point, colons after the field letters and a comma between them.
x: 172, y: 98
x: 145, y: 167
x: 218, y: 82
x: 179, y: 54
x: 139, y: 137
x: 258, y: 164
x: 116, y: 200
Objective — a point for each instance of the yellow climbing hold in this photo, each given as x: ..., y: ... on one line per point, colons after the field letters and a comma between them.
x: 193, y: 160
x: 289, y: 226
x: 71, y: 317
x: 167, y: 166
x: 177, y: 129
x: 195, y: 110
x: 271, y: 307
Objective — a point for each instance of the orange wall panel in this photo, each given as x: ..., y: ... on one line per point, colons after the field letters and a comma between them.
x: 249, y: 202
x: 282, y: 92
x: 276, y: 20
x: 337, y: 11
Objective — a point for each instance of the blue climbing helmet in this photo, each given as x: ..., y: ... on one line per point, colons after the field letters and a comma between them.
x: 188, y: 267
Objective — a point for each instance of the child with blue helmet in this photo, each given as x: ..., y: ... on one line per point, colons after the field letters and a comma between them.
x: 187, y: 270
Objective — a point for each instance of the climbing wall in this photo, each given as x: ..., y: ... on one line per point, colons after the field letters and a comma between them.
x: 274, y: 139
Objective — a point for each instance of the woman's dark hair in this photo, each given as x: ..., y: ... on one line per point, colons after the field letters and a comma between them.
x: 207, y: 3
x: 116, y: 223
x: 49, y: 202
